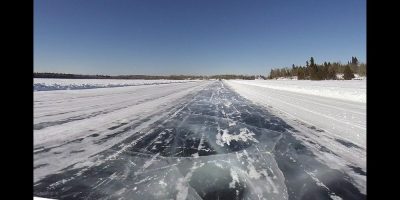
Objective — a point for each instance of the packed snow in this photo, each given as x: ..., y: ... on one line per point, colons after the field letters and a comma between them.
x: 349, y: 90
x: 46, y: 84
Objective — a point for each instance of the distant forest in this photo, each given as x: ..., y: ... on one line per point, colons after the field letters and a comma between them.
x: 145, y: 77
x: 325, y: 71
x: 311, y: 71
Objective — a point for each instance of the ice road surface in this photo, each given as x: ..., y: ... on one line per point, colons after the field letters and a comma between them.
x: 46, y: 84
x: 194, y: 140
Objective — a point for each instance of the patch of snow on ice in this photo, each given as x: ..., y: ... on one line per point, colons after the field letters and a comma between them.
x: 235, y: 179
x: 195, y: 155
x: 121, y: 191
x: 334, y: 197
x: 149, y: 162
x: 253, y: 172
x: 182, y: 185
x: 162, y: 183
x: 231, y: 123
x: 182, y: 189
x: 244, y: 135
x: 41, y: 198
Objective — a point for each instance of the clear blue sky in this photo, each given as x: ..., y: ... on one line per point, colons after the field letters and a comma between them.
x: 162, y: 37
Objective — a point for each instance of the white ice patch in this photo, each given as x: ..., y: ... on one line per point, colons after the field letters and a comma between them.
x: 227, y: 103
x: 121, y: 191
x: 195, y: 155
x: 231, y: 123
x: 219, y: 165
x: 182, y: 185
x: 144, y: 180
x: 235, y: 179
x: 319, y: 183
x: 41, y: 198
x: 244, y: 135
x: 334, y: 197
x: 162, y: 183
x: 149, y: 162
x: 113, y: 176
x: 219, y: 137
x: 201, y: 143
x: 132, y: 163
x: 271, y: 183
x: 253, y: 172
x: 182, y: 189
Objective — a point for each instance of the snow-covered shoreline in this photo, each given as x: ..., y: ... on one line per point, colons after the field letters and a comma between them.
x: 48, y: 84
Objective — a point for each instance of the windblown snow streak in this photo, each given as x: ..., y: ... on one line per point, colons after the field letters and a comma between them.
x: 184, y: 141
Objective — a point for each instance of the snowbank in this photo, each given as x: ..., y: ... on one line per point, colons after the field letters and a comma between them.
x: 350, y: 90
x: 46, y: 84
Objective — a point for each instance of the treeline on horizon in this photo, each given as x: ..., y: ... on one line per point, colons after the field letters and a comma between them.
x: 325, y: 71
x: 145, y: 77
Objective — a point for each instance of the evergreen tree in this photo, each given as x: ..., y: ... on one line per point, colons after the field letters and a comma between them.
x: 354, y: 64
x: 324, y: 72
x: 331, y: 72
x: 270, y: 74
x: 354, y: 61
x: 300, y: 73
x: 313, y: 70
x: 348, y: 74
x: 362, y: 70
x: 312, y: 61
